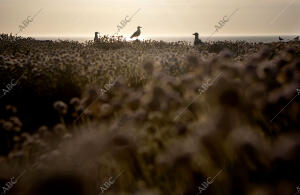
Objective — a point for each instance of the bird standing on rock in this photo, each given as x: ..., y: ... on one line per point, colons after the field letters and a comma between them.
x: 137, y: 33
x: 96, y: 36
x: 280, y: 39
x: 197, y: 41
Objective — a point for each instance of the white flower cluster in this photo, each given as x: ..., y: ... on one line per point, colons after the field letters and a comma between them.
x: 298, y: 190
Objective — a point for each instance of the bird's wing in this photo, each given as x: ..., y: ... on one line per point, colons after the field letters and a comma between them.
x: 134, y: 34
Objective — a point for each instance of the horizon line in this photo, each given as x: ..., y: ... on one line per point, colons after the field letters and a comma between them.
x: 162, y: 35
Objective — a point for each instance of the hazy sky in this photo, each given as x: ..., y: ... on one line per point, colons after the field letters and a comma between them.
x: 157, y: 17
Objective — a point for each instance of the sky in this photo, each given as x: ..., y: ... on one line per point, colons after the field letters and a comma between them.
x: 156, y: 17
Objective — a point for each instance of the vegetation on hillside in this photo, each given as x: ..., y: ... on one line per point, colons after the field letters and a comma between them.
x: 85, y: 112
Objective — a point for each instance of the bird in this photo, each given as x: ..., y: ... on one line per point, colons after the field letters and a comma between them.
x: 280, y: 39
x: 137, y: 33
x: 96, y: 36
x: 296, y: 38
x: 197, y: 41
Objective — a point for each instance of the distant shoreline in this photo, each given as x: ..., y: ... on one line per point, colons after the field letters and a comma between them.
x: 251, y: 39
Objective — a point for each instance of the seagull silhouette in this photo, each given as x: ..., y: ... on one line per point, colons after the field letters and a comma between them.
x: 280, y: 39
x: 96, y: 36
x: 137, y: 33
x: 197, y: 41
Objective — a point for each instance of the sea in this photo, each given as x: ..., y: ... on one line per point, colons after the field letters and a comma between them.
x: 189, y: 39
